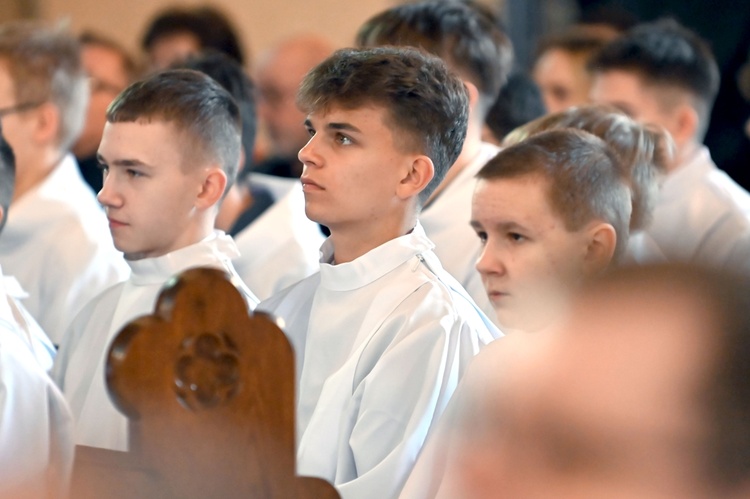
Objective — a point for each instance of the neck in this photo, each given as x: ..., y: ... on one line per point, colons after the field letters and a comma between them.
x: 33, y: 171
x: 472, y: 144
x: 682, y: 155
x: 349, y: 243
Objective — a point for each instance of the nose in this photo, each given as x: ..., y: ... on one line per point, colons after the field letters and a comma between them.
x: 108, y: 195
x: 308, y: 155
x: 490, y: 260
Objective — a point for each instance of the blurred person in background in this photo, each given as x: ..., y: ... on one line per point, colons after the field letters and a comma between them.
x: 279, y: 74
x: 110, y: 69
x: 178, y: 32
x: 560, y: 65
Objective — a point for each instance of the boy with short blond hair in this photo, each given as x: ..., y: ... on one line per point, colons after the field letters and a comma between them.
x: 169, y: 151
x: 382, y: 333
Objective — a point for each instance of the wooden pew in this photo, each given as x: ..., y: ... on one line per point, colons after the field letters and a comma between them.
x: 209, y: 393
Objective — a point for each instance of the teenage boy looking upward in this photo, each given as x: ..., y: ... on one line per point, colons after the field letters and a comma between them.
x: 56, y: 242
x: 169, y: 152
x: 382, y: 332
x: 665, y: 74
x: 469, y: 41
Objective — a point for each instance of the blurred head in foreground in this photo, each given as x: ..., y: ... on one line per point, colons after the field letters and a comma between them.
x: 644, y: 392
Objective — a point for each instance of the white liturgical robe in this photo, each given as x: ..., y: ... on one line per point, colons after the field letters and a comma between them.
x: 79, y: 367
x: 380, y: 343
x: 58, y: 245
x: 25, y: 325
x: 36, y: 430
x: 446, y: 222
x: 701, y: 216
x: 281, y: 247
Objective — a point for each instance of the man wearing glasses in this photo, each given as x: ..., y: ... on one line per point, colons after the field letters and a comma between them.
x: 56, y: 241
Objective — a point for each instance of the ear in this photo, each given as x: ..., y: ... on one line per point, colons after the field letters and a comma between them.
x: 600, y: 249
x: 212, y: 188
x: 418, y: 175
x: 47, y: 124
x: 473, y: 95
x: 685, y: 124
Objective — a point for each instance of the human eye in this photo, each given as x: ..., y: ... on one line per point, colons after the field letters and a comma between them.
x: 344, y: 140
x: 482, y: 235
x: 516, y: 237
x: 102, y: 166
x: 133, y: 173
x: 310, y: 130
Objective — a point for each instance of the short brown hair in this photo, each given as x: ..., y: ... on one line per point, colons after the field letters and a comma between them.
x: 45, y: 65
x: 582, y: 175
x: 644, y: 150
x: 196, y: 105
x: 422, y: 97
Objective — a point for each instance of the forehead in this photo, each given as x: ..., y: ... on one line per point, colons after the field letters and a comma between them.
x: 99, y: 57
x: 151, y: 140
x: 626, y: 90
x: 523, y: 198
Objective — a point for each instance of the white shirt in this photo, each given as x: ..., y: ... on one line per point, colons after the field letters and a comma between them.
x: 22, y: 323
x: 701, y: 216
x: 281, y: 247
x: 79, y: 368
x: 446, y: 221
x: 36, y: 441
x: 381, y: 343
x: 58, y: 245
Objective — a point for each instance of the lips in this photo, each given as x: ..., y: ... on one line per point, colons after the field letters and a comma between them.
x: 114, y: 224
x: 497, y: 296
x: 308, y: 184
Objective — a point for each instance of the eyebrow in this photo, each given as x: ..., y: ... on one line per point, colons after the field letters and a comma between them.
x: 348, y: 127
x: 122, y: 162
x: 502, y: 226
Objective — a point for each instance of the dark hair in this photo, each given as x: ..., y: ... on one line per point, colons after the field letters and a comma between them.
x: 209, y: 25
x: 423, y: 99
x: 468, y: 39
x: 519, y: 102
x: 230, y: 75
x: 7, y: 176
x: 666, y: 54
x: 128, y: 64
x: 582, y: 175
x: 644, y: 150
x: 196, y: 105
x: 578, y: 39
x: 45, y: 65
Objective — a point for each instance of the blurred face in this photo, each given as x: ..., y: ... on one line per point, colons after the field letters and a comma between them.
x: 352, y: 167
x: 149, y: 193
x: 563, y: 80
x: 278, y: 81
x: 529, y: 259
x: 169, y: 49
x: 626, y: 91
x: 18, y: 124
x: 107, y: 77
x: 607, y: 408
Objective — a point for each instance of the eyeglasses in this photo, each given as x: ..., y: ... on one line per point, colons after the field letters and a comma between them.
x: 19, y: 108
